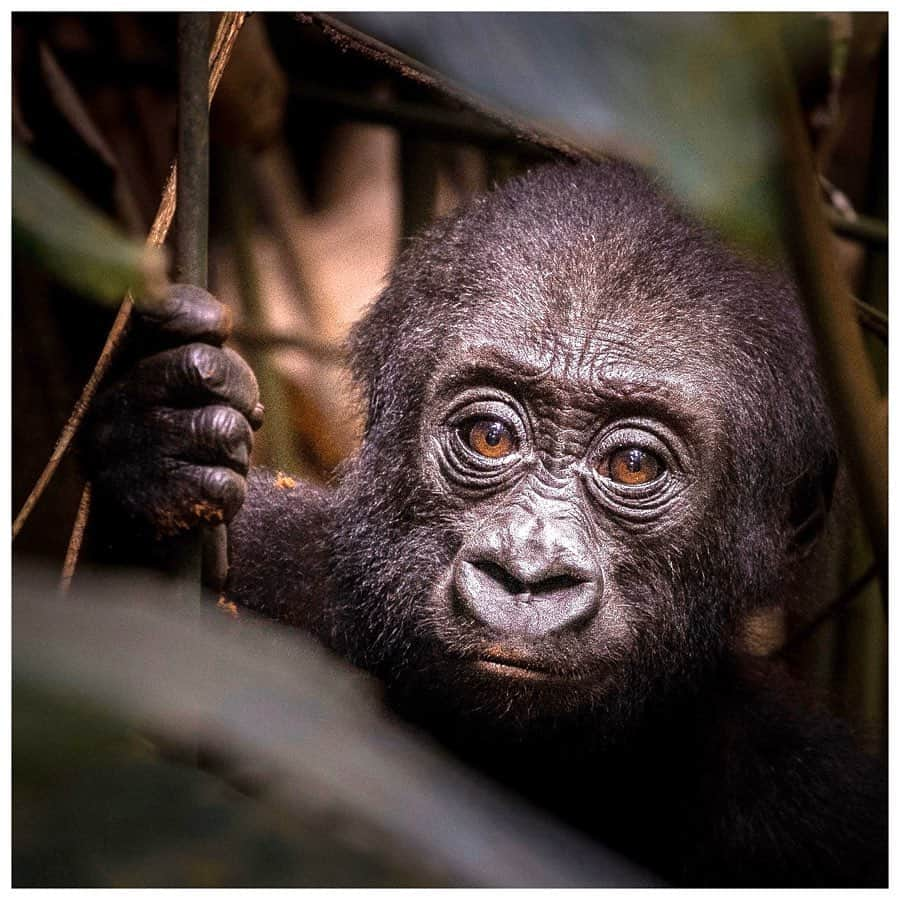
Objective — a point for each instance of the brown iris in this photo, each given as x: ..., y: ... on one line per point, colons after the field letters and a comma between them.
x: 491, y: 438
x: 632, y: 466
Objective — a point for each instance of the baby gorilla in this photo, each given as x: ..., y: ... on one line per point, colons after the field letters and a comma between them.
x: 595, y: 440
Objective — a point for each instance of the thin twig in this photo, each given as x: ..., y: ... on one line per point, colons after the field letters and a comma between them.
x: 808, y: 628
x: 76, y: 539
x: 862, y: 228
x: 260, y: 338
x: 228, y: 30
x: 872, y: 319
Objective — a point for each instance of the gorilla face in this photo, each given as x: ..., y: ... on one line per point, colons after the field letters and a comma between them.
x: 569, y: 423
x: 557, y: 495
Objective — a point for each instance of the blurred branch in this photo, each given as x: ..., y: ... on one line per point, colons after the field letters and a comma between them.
x: 807, y: 629
x: 855, y: 398
x: 347, y: 37
x: 280, y: 201
x: 418, y: 180
x: 872, y: 319
x: 862, y: 228
x: 262, y: 339
x: 238, y: 200
x: 73, y: 110
x: 226, y: 35
x: 415, y: 118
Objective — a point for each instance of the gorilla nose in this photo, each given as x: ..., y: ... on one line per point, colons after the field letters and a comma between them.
x: 556, y: 600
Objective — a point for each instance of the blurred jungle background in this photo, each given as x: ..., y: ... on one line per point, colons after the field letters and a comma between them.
x: 333, y: 140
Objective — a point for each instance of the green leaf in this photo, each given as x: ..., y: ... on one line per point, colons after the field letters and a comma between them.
x: 73, y: 242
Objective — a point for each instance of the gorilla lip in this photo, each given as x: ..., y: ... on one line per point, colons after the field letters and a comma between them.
x: 510, y: 663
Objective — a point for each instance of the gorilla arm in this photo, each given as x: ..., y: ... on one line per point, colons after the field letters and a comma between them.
x: 279, y: 550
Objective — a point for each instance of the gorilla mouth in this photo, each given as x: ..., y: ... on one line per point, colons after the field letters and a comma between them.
x: 507, y: 663
x: 513, y: 670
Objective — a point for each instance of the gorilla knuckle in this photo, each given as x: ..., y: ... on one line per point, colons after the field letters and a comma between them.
x: 241, y: 373
x: 227, y: 434
x: 193, y: 495
x: 197, y: 312
x: 187, y: 313
x: 223, y: 494
x: 205, y: 366
x: 226, y: 424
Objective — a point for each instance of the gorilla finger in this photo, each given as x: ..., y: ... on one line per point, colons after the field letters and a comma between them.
x: 186, y: 314
x: 194, y: 375
x: 216, y: 435
x: 210, y: 494
x: 256, y: 416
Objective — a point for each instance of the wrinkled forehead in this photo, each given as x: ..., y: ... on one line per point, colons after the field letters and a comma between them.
x: 594, y: 300
x: 589, y: 356
x: 590, y: 331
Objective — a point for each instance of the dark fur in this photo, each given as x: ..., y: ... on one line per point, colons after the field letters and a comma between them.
x: 694, y: 761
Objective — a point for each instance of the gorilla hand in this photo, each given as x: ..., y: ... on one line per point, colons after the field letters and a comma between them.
x: 170, y: 443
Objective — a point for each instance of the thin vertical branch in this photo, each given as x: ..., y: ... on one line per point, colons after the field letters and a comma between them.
x: 191, y: 222
x: 239, y: 206
x: 192, y: 203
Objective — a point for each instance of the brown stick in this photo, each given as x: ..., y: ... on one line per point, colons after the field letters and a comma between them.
x: 75, y: 540
x: 808, y: 628
x: 226, y: 35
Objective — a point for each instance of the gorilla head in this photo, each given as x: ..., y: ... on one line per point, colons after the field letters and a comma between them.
x: 595, y: 438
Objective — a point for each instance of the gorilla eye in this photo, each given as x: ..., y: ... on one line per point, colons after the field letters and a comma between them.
x: 631, y: 466
x: 491, y: 438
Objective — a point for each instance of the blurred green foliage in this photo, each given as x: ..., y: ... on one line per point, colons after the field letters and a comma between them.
x: 96, y: 805
x: 688, y: 92
x: 73, y: 242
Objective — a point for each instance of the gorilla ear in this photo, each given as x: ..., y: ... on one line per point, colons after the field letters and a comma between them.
x: 810, y: 503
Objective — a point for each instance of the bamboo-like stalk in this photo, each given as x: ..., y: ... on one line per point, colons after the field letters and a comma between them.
x: 192, y: 189
x: 192, y: 237
x: 239, y: 209
x: 418, y: 178
x: 855, y: 398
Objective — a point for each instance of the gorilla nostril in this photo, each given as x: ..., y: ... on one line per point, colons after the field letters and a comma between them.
x: 487, y: 592
x: 501, y: 576
x: 557, y: 583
